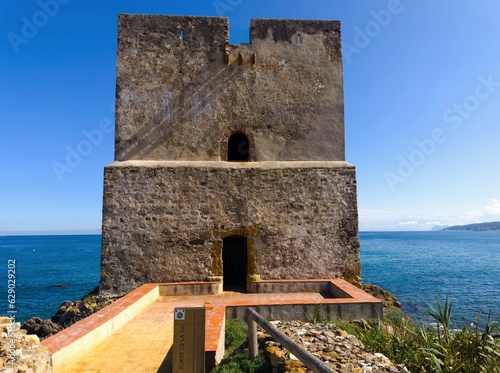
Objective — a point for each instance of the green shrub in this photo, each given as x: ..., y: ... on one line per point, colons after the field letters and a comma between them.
x: 239, y: 361
x: 427, y: 349
x: 242, y: 363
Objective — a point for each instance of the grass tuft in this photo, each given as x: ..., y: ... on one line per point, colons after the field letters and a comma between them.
x: 434, y: 349
x: 242, y: 363
x: 236, y: 336
x: 237, y: 358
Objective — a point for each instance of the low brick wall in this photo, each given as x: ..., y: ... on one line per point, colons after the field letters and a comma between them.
x: 293, y: 286
x: 82, y: 337
x: 190, y: 288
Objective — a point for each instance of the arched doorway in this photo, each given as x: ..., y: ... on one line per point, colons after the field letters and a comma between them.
x: 234, y: 263
x: 238, y: 147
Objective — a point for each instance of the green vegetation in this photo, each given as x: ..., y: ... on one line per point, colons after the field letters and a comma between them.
x: 236, y: 335
x: 237, y: 358
x: 242, y: 363
x: 436, y: 348
x: 314, y: 317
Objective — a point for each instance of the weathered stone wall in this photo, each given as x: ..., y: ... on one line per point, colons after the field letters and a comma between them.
x: 170, y: 198
x: 180, y: 99
x: 21, y: 352
x: 165, y: 221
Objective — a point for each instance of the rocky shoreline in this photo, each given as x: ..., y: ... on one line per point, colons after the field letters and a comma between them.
x: 68, y: 314
x: 389, y: 300
x: 20, y: 348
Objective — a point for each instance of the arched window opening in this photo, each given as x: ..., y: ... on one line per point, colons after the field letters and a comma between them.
x: 238, y: 148
x: 299, y: 39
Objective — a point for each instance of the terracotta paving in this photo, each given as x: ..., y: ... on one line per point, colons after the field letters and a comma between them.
x: 143, y: 344
x: 65, y: 337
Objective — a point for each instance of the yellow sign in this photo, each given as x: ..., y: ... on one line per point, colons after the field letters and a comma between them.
x: 189, y: 340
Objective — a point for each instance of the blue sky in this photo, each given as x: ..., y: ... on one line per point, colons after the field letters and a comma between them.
x: 422, y: 113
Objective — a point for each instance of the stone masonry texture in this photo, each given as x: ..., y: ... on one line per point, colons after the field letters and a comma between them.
x: 171, y: 196
x: 179, y: 99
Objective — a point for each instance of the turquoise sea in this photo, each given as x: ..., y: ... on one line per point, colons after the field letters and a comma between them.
x: 419, y: 266
x: 49, y: 270
x: 415, y: 266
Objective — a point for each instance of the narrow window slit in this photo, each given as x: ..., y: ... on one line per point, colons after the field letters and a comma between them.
x: 299, y: 39
x: 182, y: 35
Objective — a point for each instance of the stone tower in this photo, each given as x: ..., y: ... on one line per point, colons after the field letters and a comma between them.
x: 229, y: 159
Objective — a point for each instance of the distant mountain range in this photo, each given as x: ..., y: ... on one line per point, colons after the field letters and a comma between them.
x: 479, y: 227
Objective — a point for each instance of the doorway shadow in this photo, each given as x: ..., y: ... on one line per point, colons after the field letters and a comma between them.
x: 234, y: 263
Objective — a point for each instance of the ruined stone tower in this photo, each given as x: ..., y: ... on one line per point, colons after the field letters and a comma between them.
x: 229, y: 159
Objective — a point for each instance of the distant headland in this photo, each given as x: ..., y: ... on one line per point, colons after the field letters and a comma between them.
x: 479, y: 227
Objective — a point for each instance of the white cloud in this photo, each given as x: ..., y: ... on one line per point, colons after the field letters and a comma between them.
x: 494, y: 208
x: 487, y: 213
x: 391, y: 220
x: 408, y: 223
x: 434, y: 224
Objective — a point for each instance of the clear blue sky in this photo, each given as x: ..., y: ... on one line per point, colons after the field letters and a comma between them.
x: 422, y: 105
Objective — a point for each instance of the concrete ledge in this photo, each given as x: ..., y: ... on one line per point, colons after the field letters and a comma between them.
x: 80, y: 338
x: 337, y: 290
x: 312, y: 312
x: 190, y: 288
x: 297, y: 286
x: 342, y: 301
x: 215, y: 331
x: 239, y: 165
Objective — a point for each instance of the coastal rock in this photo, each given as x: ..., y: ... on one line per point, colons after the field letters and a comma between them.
x: 67, y: 316
x: 388, y: 300
x: 62, y: 310
x: 343, y: 352
x: 40, y: 327
x: 68, y: 313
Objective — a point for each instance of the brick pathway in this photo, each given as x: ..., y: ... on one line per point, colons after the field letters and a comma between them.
x: 142, y: 345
